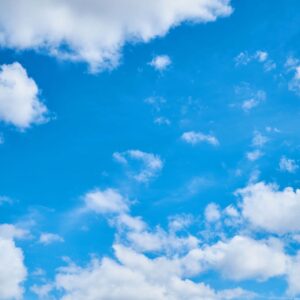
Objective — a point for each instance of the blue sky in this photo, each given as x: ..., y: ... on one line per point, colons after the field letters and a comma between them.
x: 149, y: 150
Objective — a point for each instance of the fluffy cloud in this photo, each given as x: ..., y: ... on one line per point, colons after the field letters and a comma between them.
x: 288, y: 165
x: 12, y: 270
x: 9, y: 231
x: 193, y: 138
x: 94, y: 31
x: 107, y: 201
x: 269, y: 209
x: 47, y: 238
x: 254, y: 155
x: 151, y: 164
x: 135, y: 276
x: 19, y: 97
x: 143, y: 239
x: 212, y: 212
x: 293, y: 276
x: 160, y: 62
x: 246, y: 258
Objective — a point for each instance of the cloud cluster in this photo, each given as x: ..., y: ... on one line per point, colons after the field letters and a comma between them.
x: 192, y: 137
x: 95, y: 31
x: 160, y: 62
x: 19, y: 97
x: 151, y: 164
x: 12, y: 269
x: 133, y: 276
x: 267, y: 208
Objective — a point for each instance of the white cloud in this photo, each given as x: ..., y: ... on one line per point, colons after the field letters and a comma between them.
x: 161, y: 62
x: 9, y: 231
x: 288, y: 165
x: 249, y: 97
x: 151, y: 164
x: 94, y: 31
x: 256, y: 99
x: 162, y: 121
x: 212, y: 213
x: 269, y: 209
x: 108, y: 201
x: 293, y: 276
x: 249, y: 104
x: 193, y: 138
x: 134, y: 276
x: 12, y: 270
x: 254, y: 155
x: 259, y: 140
x: 19, y: 97
x: 245, y: 258
x: 261, y: 56
x: 43, y: 291
x: 244, y: 58
x: 293, y: 65
x: 47, y: 238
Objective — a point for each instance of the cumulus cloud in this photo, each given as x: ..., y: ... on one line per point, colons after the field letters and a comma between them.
x: 108, y: 201
x: 288, y: 165
x: 9, y: 231
x: 270, y: 209
x: 12, y: 270
x: 19, y: 97
x: 151, y: 164
x: 192, y: 137
x: 245, y: 258
x: 160, y: 62
x: 47, y: 238
x: 293, y: 276
x: 212, y: 212
x: 133, y: 275
x: 95, y: 31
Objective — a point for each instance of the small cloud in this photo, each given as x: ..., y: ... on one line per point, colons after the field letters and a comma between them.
x: 160, y: 62
x: 156, y: 102
x: 108, y: 201
x: 259, y: 140
x: 192, y: 137
x: 254, y: 155
x: 212, y: 213
x: 288, y: 165
x: 293, y: 65
x: 19, y: 98
x: 249, y: 96
x: 151, y: 164
x: 244, y: 58
x: 272, y: 129
x: 9, y: 231
x: 50, y: 238
x: 162, y: 121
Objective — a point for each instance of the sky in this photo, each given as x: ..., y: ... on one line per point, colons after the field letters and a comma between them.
x: 149, y: 150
